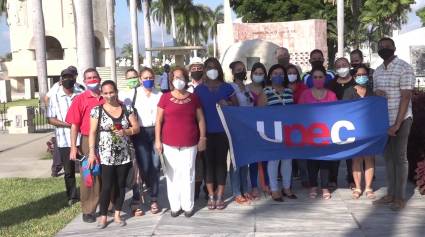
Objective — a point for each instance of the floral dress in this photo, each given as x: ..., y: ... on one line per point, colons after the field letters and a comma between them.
x: 112, y: 149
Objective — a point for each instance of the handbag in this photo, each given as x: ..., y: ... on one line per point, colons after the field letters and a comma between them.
x: 88, y: 172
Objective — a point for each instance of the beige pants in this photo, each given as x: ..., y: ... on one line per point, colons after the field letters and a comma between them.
x: 89, y: 197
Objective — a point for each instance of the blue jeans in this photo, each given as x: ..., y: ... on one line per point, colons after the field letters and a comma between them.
x: 147, y: 159
x: 253, y: 173
x: 286, y: 171
x: 302, y: 167
x: 239, y: 180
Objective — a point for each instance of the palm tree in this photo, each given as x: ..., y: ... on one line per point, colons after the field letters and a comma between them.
x: 3, y: 7
x: 40, y: 48
x: 134, y: 5
x: 110, y: 5
x: 147, y: 30
x: 216, y: 18
x: 85, y: 34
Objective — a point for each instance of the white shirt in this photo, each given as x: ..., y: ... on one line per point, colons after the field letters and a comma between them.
x: 126, y: 96
x: 244, y: 97
x: 59, y: 105
x: 147, y: 106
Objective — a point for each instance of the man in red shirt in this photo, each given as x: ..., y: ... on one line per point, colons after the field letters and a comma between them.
x: 79, y: 117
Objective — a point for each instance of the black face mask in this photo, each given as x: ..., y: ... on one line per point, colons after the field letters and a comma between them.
x: 315, y: 64
x: 240, y: 76
x: 386, y: 53
x: 196, y: 75
x: 68, y: 84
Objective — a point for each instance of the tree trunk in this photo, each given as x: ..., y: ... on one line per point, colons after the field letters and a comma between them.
x: 173, y: 26
x: 110, y: 5
x: 134, y: 34
x: 40, y: 48
x: 85, y: 35
x: 147, y: 32
x: 340, y: 27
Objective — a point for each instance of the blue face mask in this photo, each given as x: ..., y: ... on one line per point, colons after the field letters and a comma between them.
x: 361, y: 80
x: 278, y: 80
x: 148, y: 84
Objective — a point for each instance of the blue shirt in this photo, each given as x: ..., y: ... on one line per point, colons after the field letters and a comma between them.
x: 308, y: 79
x: 209, y: 99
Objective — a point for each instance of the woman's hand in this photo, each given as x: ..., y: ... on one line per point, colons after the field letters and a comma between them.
x: 119, y: 132
x: 158, y: 147
x: 202, y: 144
x: 92, y: 160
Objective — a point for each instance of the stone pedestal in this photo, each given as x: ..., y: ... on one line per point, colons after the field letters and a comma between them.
x: 5, y: 91
x: 21, y: 120
x: 29, y: 88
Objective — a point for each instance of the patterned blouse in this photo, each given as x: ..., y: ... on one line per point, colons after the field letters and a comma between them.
x: 276, y: 98
x: 113, y: 149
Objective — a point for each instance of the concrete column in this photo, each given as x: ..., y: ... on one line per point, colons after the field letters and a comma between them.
x: 179, y: 60
x: 5, y: 91
x: 29, y: 88
x: 340, y: 28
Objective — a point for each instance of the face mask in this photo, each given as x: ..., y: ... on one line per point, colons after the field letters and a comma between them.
x: 386, y: 53
x: 196, y: 75
x: 240, y: 76
x: 277, y: 80
x: 283, y: 61
x: 317, y: 64
x: 342, y: 72
x: 292, y: 77
x: 318, y: 84
x: 133, y: 83
x: 110, y: 98
x: 361, y: 80
x: 179, y: 84
x: 93, y: 87
x: 148, y: 84
x: 68, y: 84
x: 257, y: 78
x: 212, y: 74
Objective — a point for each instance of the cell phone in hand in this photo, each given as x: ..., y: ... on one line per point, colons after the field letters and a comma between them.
x: 80, y: 157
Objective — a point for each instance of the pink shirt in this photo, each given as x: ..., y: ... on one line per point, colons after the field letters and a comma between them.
x: 180, y: 126
x: 308, y: 98
x: 79, y: 111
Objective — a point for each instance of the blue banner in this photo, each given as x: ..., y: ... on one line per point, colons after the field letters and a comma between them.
x: 328, y: 131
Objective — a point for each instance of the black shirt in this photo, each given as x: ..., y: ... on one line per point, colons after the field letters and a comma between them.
x: 342, y: 91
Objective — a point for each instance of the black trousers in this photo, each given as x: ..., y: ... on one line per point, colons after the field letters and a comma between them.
x: 57, y: 162
x: 114, y: 179
x: 69, y: 176
x: 314, y: 166
x: 216, y: 158
x: 334, y: 170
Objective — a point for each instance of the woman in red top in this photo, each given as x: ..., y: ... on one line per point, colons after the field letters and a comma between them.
x: 180, y: 134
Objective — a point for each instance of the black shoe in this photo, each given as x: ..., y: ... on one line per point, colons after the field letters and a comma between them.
x: 176, y: 214
x: 54, y: 174
x: 292, y: 196
x: 189, y: 214
x: 89, y: 218
x: 72, y: 202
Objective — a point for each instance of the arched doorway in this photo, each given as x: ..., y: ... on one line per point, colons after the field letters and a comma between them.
x: 54, y: 50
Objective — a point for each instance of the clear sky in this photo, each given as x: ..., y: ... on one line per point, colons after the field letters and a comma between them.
x: 123, y: 34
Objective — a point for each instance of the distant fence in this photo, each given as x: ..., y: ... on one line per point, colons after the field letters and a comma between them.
x: 39, y: 121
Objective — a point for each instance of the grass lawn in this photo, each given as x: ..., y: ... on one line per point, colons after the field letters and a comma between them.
x: 34, y: 207
x: 32, y: 102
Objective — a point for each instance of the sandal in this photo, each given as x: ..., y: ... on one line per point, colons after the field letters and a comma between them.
x: 356, y: 193
x: 211, y: 202
x: 220, y: 203
x: 154, y: 207
x: 313, y: 193
x: 326, y: 195
x: 248, y: 196
x: 276, y: 196
x: 241, y: 200
x: 370, y: 194
x: 255, y: 194
x: 138, y: 212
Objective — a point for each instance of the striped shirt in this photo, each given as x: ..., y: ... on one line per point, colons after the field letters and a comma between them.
x: 397, y: 76
x: 278, y: 98
x: 59, y: 105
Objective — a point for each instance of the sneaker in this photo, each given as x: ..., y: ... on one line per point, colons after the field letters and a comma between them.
x: 89, y: 218
x: 176, y: 214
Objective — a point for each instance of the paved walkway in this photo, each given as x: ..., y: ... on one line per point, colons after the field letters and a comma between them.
x: 20, y: 155
x: 340, y: 216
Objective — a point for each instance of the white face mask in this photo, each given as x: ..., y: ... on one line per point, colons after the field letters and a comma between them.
x: 257, y: 78
x: 212, y: 74
x: 179, y: 84
x: 292, y: 77
x: 343, y: 72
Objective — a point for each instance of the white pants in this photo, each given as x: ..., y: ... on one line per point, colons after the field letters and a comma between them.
x: 180, y: 174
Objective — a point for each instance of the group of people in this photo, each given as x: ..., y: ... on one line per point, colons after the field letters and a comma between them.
x: 179, y: 129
